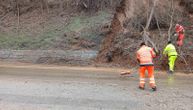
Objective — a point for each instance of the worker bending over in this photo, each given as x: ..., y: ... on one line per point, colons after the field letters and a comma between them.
x: 172, y: 54
x: 145, y: 57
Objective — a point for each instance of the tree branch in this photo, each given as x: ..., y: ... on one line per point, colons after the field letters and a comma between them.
x: 157, y: 23
x: 145, y: 33
x: 171, y: 21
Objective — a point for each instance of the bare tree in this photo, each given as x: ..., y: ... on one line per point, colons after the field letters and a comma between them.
x: 18, y: 16
x: 145, y: 31
x: 171, y: 21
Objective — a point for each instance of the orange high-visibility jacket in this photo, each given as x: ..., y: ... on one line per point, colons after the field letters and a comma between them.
x: 145, y: 55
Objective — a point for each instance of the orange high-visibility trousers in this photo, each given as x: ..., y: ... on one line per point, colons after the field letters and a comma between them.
x: 142, y: 75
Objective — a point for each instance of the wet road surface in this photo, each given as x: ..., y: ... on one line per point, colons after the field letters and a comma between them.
x: 74, y: 88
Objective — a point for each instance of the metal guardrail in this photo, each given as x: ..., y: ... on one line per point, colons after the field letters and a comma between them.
x: 33, y: 55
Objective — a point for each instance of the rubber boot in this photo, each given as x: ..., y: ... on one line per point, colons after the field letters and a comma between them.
x: 142, y: 88
x: 170, y: 72
x: 154, y: 88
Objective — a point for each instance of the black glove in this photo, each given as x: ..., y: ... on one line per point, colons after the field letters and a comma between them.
x: 138, y: 60
x: 173, y: 33
x: 157, y: 52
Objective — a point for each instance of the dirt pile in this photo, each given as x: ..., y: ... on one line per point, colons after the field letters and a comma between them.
x: 124, y: 13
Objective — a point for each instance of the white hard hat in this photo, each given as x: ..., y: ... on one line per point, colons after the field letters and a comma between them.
x: 177, y: 25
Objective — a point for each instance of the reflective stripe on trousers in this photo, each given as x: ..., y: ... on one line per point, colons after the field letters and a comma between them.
x: 142, y: 80
x: 152, y: 80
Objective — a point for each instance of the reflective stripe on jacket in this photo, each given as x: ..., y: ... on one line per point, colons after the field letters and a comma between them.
x: 170, y: 50
x: 179, y: 29
x: 145, y: 55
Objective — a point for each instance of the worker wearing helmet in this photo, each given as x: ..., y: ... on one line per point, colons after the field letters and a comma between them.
x: 145, y: 57
x: 172, y: 54
x: 180, y: 34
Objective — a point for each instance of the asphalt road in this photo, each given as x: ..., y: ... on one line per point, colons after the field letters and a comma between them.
x: 35, y: 87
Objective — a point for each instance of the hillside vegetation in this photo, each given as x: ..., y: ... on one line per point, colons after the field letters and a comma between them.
x: 114, y: 27
x: 53, y: 24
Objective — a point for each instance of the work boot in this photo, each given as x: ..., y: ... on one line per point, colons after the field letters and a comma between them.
x: 170, y: 72
x: 142, y: 88
x: 154, y: 88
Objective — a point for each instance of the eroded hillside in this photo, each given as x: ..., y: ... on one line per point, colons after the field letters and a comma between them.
x: 124, y: 37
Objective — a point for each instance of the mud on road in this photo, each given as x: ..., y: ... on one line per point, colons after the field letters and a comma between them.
x: 36, y: 87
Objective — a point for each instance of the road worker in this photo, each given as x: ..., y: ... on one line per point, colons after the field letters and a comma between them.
x: 179, y: 32
x: 172, y: 54
x: 145, y: 57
